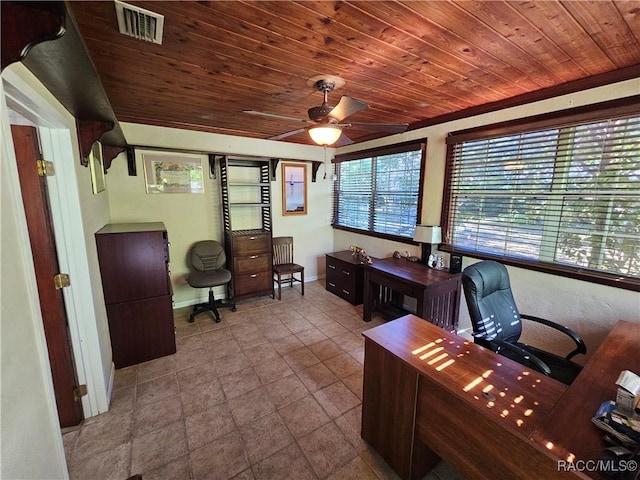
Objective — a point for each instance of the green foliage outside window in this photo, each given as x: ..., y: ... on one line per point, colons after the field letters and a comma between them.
x: 566, y: 196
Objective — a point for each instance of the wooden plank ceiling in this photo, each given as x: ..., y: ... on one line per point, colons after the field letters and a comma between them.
x: 411, y: 61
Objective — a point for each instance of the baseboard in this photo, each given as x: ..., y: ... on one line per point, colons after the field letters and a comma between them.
x: 112, y: 381
x: 189, y: 303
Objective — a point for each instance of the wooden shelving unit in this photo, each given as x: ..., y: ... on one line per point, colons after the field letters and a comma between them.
x: 246, y: 210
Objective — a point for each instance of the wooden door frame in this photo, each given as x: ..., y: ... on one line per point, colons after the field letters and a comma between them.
x: 21, y: 92
x: 35, y: 197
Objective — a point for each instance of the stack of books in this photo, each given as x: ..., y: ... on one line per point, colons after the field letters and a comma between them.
x: 619, y: 424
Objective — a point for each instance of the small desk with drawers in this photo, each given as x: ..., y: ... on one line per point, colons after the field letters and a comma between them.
x: 388, y: 280
x: 344, y: 276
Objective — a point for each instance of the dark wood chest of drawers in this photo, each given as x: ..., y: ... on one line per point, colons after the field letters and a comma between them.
x: 249, y: 258
x: 134, y: 265
x: 344, y: 276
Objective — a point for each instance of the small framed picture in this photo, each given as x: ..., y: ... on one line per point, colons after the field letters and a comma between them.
x: 173, y: 174
x: 294, y: 189
x: 97, y: 168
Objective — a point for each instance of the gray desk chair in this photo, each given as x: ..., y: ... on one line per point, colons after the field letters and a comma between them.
x: 283, y: 266
x: 207, y: 261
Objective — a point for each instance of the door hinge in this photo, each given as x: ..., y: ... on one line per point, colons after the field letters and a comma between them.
x: 45, y: 168
x: 79, y: 391
x: 61, y: 280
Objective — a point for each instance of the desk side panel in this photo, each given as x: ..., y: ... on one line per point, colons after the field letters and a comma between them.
x: 441, y: 305
x: 388, y: 413
x: 476, y: 445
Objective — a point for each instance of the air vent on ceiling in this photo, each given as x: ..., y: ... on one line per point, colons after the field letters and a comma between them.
x: 139, y: 23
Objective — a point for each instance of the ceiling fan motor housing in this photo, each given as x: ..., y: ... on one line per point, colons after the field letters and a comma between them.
x: 319, y: 113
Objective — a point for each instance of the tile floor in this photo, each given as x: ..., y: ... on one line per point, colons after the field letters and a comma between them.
x: 272, y: 392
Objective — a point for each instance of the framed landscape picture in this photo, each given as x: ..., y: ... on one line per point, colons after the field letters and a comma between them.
x: 173, y: 174
x: 294, y: 189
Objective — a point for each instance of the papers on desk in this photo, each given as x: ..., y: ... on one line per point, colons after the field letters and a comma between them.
x: 621, y: 419
x: 628, y: 397
x: 623, y: 427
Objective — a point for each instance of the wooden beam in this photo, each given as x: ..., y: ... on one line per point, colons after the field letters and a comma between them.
x: 88, y: 132
x: 25, y: 24
x: 131, y: 161
x: 212, y: 165
x: 65, y: 69
x: 109, y: 152
x: 274, y: 165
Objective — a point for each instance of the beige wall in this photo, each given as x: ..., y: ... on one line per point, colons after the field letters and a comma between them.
x: 588, y: 308
x: 193, y: 217
x: 314, y: 236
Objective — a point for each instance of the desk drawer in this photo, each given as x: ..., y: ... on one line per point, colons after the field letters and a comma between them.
x: 341, y: 279
x: 249, y: 264
x: 253, y: 283
x: 340, y: 268
x: 348, y: 293
x: 344, y: 278
x: 249, y: 244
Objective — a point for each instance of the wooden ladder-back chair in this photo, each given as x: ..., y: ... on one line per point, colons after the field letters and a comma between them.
x: 283, y: 266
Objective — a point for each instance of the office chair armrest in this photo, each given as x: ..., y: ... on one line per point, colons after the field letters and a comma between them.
x: 577, y: 339
x: 521, y: 352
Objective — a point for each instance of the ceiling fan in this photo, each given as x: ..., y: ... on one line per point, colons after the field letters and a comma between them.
x: 327, y: 121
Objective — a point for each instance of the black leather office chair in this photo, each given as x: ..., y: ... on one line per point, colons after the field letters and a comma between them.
x: 207, y: 261
x: 497, y: 326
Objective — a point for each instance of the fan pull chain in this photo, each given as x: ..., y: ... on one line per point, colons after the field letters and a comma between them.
x: 324, y: 147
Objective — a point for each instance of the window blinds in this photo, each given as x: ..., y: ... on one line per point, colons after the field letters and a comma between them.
x: 566, y: 196
x: 379, y: 191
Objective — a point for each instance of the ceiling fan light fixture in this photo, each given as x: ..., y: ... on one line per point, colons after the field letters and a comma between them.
x: 325, y: 135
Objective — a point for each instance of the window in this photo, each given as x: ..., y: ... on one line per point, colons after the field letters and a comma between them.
x: 566, y: 196
x: 378, y: 191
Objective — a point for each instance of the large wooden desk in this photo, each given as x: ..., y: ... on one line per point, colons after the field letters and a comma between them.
x: 429, y: 394
x: 437, y: 292
x: 568, y: 426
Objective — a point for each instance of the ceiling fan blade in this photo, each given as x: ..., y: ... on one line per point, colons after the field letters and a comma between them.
x: 275, y: 115
x: 343, y: 140
x: 387, y: 127
x: 287, y: 134
x: 346, y: 106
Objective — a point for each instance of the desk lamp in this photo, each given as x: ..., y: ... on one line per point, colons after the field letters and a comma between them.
x: 427, y: 236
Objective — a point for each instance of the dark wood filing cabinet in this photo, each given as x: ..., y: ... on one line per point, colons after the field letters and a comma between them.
x: 344, y: 276
x: 249, y: 257
x: 134, y: 265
